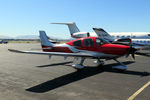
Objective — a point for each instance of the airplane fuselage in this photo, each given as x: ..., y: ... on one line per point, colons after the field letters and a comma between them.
x: 89, y: 44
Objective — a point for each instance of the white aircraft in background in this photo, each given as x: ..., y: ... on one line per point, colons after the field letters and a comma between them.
x: 138, y: 38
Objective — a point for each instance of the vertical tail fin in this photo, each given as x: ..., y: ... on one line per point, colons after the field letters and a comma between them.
x: 103, y: 34
x: 72, y: 27
x: 44, y: 39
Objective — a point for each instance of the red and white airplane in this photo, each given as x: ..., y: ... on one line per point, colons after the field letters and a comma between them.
x: 86, y: 47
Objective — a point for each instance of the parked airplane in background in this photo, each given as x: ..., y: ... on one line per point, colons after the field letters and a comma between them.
x: 87, y: 47
x: 3, y: 42
x: 138, y: 38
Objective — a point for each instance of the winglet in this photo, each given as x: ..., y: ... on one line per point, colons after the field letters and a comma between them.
x: 17, y: 51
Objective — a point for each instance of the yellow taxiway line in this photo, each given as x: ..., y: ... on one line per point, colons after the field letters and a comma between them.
x: 139, y: 91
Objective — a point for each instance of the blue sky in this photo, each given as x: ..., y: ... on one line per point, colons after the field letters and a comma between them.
x: 27, y: 17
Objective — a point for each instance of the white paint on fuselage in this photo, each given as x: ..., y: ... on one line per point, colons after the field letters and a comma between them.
x: 145, y: 42
x: 133, y: 35
x: 138, y: 38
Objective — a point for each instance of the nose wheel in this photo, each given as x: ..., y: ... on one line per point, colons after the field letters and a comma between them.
x: 99, y: 62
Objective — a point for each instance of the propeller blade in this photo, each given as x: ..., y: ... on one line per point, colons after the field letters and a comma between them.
x: 131, y: 51
x: 133, y: 56
x: 127, y: 55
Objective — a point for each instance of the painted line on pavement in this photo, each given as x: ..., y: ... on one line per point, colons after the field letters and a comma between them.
x: 139, y: 91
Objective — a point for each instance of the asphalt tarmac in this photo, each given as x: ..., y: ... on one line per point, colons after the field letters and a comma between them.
x: 36, y: 77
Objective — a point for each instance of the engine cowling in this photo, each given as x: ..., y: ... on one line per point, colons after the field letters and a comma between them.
x: 123, y: 41
x: 80, y: 34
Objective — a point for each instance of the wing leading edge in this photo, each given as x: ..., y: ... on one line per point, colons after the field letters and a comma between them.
x: 54, y: 53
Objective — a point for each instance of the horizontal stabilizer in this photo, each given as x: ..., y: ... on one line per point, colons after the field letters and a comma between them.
x: 69, y: 23
x: 72, y: 27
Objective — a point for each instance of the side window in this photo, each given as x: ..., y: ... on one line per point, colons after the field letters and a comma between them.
x: 133, y: 36
x: 117, y: 36
x: 88, y: 42
x: 98, y: 42
x: 123, y: 36
x: 77, y: 43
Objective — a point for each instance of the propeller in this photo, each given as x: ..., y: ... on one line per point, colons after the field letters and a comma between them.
x: 131, y: 51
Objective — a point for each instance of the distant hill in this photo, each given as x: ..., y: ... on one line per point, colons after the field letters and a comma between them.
x: 27, y: 37
x: 5, y: 37
x: 33, y: 37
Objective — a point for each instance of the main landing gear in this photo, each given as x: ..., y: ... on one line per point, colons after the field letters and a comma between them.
x: 79, y: 66
x: 121, y: 67
x: 99, y: 62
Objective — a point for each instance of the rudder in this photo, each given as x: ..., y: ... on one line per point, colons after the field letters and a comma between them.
x: 44, y: 39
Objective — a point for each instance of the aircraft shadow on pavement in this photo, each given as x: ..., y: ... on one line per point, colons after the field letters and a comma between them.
x: 78, y: 75
x: 143, y: 54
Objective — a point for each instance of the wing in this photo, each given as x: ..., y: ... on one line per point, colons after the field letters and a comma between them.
x: 80, y: 54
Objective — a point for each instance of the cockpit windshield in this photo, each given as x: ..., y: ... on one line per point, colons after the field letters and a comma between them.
x: 100, y: 41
